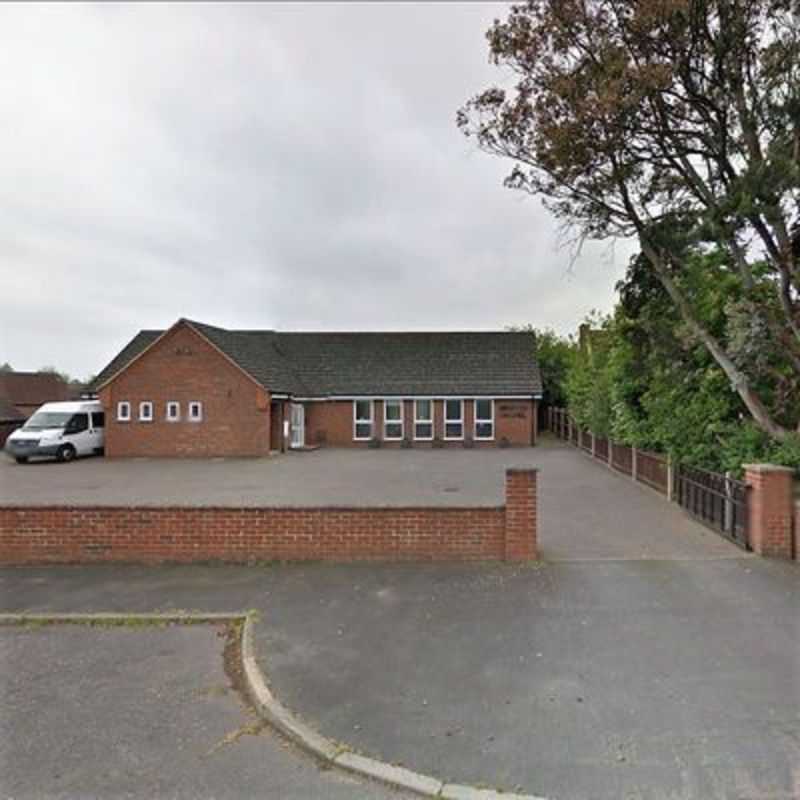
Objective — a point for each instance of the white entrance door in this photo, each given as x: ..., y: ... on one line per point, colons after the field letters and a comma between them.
x: 298, y: 425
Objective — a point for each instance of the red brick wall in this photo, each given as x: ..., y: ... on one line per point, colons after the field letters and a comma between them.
x: 797, y: 532
x: 40, y: 535
x: 332, y: 423
x: 150, y: 535
x: 515, y: 421
x: 771, y: 509
x: 183, y: 366
x: 521, y: 514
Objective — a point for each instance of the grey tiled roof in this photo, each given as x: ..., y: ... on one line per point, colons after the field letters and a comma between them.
x: 142, y: 340
x: 344, y: 364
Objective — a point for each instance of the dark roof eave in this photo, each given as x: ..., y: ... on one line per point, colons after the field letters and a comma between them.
x: 523, y: 393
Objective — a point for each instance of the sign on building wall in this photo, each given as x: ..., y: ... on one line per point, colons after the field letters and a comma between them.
x: 513, y: 410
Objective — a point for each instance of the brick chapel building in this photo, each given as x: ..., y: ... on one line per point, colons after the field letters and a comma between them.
x: 199, y: 390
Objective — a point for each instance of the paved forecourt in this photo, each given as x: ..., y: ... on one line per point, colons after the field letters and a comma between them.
x: 143, y: 712
x: 585, y: 679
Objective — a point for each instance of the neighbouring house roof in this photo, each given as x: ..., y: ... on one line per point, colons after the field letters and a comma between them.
x: 349, y: 364
x: 27, y: 390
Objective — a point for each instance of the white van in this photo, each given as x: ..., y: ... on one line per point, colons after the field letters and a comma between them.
x: 63, y: 430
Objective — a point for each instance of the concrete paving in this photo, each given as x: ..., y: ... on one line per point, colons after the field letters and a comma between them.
x: 321, y: 477
x: 640, y: 679
x: 98, y: 712
x: 586, y: 510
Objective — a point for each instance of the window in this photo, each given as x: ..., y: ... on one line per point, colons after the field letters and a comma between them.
x: 173, y: 411
x: 484, y: 419
x: 98, y: 420
x: 362, y: 419
x: 145, y: 411
x: 77, y: 424
x: 392, y: 419
x: 453, y: 419
x: 195, y: 411
x: 423, y: 420
x: 123, y: 411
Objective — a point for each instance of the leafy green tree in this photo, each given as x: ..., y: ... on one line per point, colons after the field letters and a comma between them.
x: 50, y: 370
x: 554, y: 355
x: 678, y: 123
x: 664, y: 391
x: 587, y: 385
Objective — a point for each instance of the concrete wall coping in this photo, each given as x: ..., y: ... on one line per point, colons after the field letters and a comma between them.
x: 26, y: 507
x: 766, y: 468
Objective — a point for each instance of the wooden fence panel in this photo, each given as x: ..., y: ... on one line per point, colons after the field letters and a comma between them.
x: 622, y: 458
x: 652, y: 469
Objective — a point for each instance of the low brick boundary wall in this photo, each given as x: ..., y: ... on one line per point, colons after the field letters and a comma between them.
x: 71, y: 534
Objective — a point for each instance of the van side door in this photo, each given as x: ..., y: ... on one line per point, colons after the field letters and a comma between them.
x: 78, y: 434
x: 98, y: 419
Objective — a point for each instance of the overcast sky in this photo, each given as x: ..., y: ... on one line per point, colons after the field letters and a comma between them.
x: 260, y: 166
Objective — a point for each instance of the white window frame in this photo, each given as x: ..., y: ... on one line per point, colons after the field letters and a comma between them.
x: 195, y: 417
x: 124, y: 405
x: 146, y: 404
x: 173, y: 417
x: 401, y: 422
x: 363, y: 421
x: 459, y: 421
x: 483, y: 420
x: 423, y: 421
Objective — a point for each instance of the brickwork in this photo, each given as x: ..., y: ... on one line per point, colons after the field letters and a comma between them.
x: 797, y: 531
x: 239, y: 416
x: 184, y: 367
x: 39, y: 535
x: 515, y: 421
x: 331, y: 423
x: 521, y: 515
x: 771, y: 509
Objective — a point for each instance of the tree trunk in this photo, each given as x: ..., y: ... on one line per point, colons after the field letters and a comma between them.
x: 737, y: 378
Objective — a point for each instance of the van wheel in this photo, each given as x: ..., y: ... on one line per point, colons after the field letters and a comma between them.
x: 21, y: 459
x: 65, y: 453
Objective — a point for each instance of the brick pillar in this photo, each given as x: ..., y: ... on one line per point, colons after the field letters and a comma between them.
x: 521, y: 515
x: 771, y: 509
x: 797, y: 531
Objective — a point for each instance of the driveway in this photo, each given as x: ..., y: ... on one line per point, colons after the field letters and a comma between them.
x: 640, y: 679
x: 585, y: 509
x: 142, y: 713
x: 588, y: 511
x: 322, y: 477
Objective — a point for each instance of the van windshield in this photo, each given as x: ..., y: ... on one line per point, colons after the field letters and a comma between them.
x: 47, y: 419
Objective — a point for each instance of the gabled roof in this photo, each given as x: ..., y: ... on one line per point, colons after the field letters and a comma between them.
x: 349, y: 364
x: 32, y: 388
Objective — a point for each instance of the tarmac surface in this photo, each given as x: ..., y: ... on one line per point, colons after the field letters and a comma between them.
x: 143, y: 713
x: 644, y: 658
x: 325, y: 477
x: 610, y: 679
x: 585, y: 509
